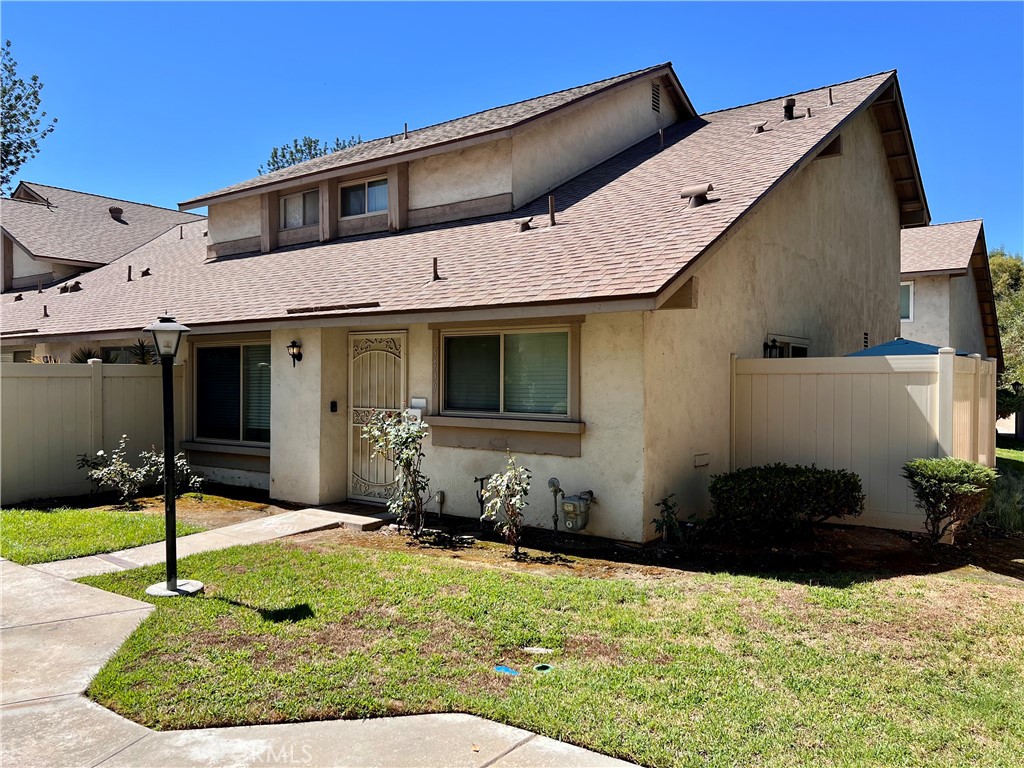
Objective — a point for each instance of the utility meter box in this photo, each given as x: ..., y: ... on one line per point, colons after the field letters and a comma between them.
x: 576, y: 511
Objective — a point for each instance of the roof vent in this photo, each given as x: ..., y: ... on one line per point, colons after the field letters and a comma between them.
x: 830, y: 102
x: 19, y: 297
x: 788, y: 106
x: 145, y: 273
x: 656, y: 97
x: 759, y: 127
x: 698, y: 194
x: 75, y: 287
x: 524, y: 224
x: 808, y: 111
x: 116, y: 212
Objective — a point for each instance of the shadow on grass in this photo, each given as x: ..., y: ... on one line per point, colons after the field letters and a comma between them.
x: 291, y: 615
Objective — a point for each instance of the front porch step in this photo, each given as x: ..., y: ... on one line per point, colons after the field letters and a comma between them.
x: 359, y: 518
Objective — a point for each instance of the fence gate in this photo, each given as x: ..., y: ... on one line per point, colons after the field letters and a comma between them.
x: 376, y: 381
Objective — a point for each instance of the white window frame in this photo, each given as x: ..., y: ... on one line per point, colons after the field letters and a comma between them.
x: 501, y: 413
x: 787, y: 343
x: 366, y: 196
x: 281, y: 225
x: 909, y: 319
x: 194, y: 357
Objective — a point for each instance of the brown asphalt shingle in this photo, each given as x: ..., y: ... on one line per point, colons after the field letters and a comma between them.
x: 487, y: 121
x: 623, y: 231
x: 77, y: 226
x: 939, y: 248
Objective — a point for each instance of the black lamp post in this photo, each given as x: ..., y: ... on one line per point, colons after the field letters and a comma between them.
x: 167, y: 337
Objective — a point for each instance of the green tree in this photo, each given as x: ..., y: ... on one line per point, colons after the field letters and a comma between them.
x: 301, y: 150
x: 1008, y: 290
x: 23, y: 124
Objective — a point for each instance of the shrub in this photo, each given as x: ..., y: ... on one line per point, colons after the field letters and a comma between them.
x: 113, y: 471
x: 185, y: 480
x: 950, y: 491
x: 667, y: 524
x: 401, y: 440
x: 1004, y: 513
x: 505, y: 494
x: 776, y: 501
x: 83, y: 355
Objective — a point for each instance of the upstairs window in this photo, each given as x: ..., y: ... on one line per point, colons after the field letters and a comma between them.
x: 907, y: 302
x: 300, y: 210
x: 364, y: 198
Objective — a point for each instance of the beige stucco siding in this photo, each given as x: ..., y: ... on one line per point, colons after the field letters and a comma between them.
x: 234, y: 220
x: 611, y: 460
x: 930, y: 311
x: 966, y: 332
x: 549, y: 152
x: 480, y: 171
x: 819, y: 260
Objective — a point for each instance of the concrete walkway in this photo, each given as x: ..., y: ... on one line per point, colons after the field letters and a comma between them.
x: 56, y: 634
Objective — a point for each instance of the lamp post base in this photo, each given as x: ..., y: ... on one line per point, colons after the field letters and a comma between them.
x: 185, y: 587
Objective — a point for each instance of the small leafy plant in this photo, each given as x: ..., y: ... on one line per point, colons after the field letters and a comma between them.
x: 951, y: 492
x: 83, y: 355
x: 505, y: 495
x: 400, y: 439
x: 114, y: 471
x: 667, y: 524
x: 185, y: 480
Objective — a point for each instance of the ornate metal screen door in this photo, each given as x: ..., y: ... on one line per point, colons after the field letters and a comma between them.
x: 376, y: 381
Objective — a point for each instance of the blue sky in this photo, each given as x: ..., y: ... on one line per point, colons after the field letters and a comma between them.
x: 160, y: 102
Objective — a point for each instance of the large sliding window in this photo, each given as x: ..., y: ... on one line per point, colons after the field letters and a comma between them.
x: 233, y: 392
x: 522, y: 372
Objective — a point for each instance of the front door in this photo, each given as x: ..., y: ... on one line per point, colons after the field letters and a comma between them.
x: 376, y: 381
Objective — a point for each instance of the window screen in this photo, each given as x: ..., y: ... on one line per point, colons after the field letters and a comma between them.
x: 377, y: 195
x: 905, y: 301
x: 472, y: 372
x: 537, y: 373
x: 256, y: 393
x: 353, y: 200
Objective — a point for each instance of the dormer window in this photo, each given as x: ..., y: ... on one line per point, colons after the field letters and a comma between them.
x: 364, y: 197
x: 300, y: 210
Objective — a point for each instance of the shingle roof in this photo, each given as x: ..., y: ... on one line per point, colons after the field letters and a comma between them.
x: 479, y: 123
x: 939, y: 248
x: 77, y: 226
x: 622, y: 232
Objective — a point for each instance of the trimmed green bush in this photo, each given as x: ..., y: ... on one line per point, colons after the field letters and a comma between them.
x: 777, y: 501
x: 951, y: 492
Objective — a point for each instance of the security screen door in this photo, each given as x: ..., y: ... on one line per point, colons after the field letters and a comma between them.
x: 376, y: 381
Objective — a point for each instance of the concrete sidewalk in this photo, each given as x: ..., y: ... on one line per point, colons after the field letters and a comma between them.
x: 249, y: 532
x: 56, y: 634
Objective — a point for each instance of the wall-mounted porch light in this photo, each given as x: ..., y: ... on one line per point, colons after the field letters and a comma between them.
x: 295, y: 351
x: 772, y: 349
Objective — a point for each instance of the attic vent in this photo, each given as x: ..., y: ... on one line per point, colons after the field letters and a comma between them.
x: 758, y: 127
x: 116, y: 212
x: 834, y: 148
x: 698, y: 194
x: 524, y: 224
x: 656, y: 97
x: 788, y: 108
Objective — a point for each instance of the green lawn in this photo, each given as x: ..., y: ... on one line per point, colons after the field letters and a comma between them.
x: 41, y: 536
x: 1010, y: 454
x: 681, y: 669
x: 1005, y: 512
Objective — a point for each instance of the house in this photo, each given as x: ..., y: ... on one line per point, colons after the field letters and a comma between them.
x: 51, y: 234
x: 946, y: 289
x: 564, y: 278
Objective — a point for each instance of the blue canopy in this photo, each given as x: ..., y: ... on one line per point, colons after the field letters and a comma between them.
x: 900, y: 346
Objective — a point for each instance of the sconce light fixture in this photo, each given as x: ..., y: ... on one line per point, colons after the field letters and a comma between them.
x: 295, y: 351
x: 1016, y: 387
x: 771, y: 350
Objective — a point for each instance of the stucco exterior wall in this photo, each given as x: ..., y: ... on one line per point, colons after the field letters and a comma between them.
x: 930, y: 311
x: 966, y: 332
x: 234, y: 220
x: 308, y: 448
x: 820, y: 260
x: 549, y: 152
x: 480, y: 171
x: 611, y: 460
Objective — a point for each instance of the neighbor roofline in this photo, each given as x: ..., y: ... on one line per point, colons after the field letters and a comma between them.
x: 676, y: 282
x: 441, y: 146
x: 952, y: 272
x: 30, y: 184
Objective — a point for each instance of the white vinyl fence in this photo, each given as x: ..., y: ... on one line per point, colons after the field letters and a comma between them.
x: 868, y: 415
x: 51, y: 413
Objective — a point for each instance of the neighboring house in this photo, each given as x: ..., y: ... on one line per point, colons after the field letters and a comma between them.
x: 421, y: 269
x: 946, y: 289
x: 52, y: 234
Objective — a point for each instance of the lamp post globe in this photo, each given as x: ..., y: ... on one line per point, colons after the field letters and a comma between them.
x: 167, y: 338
